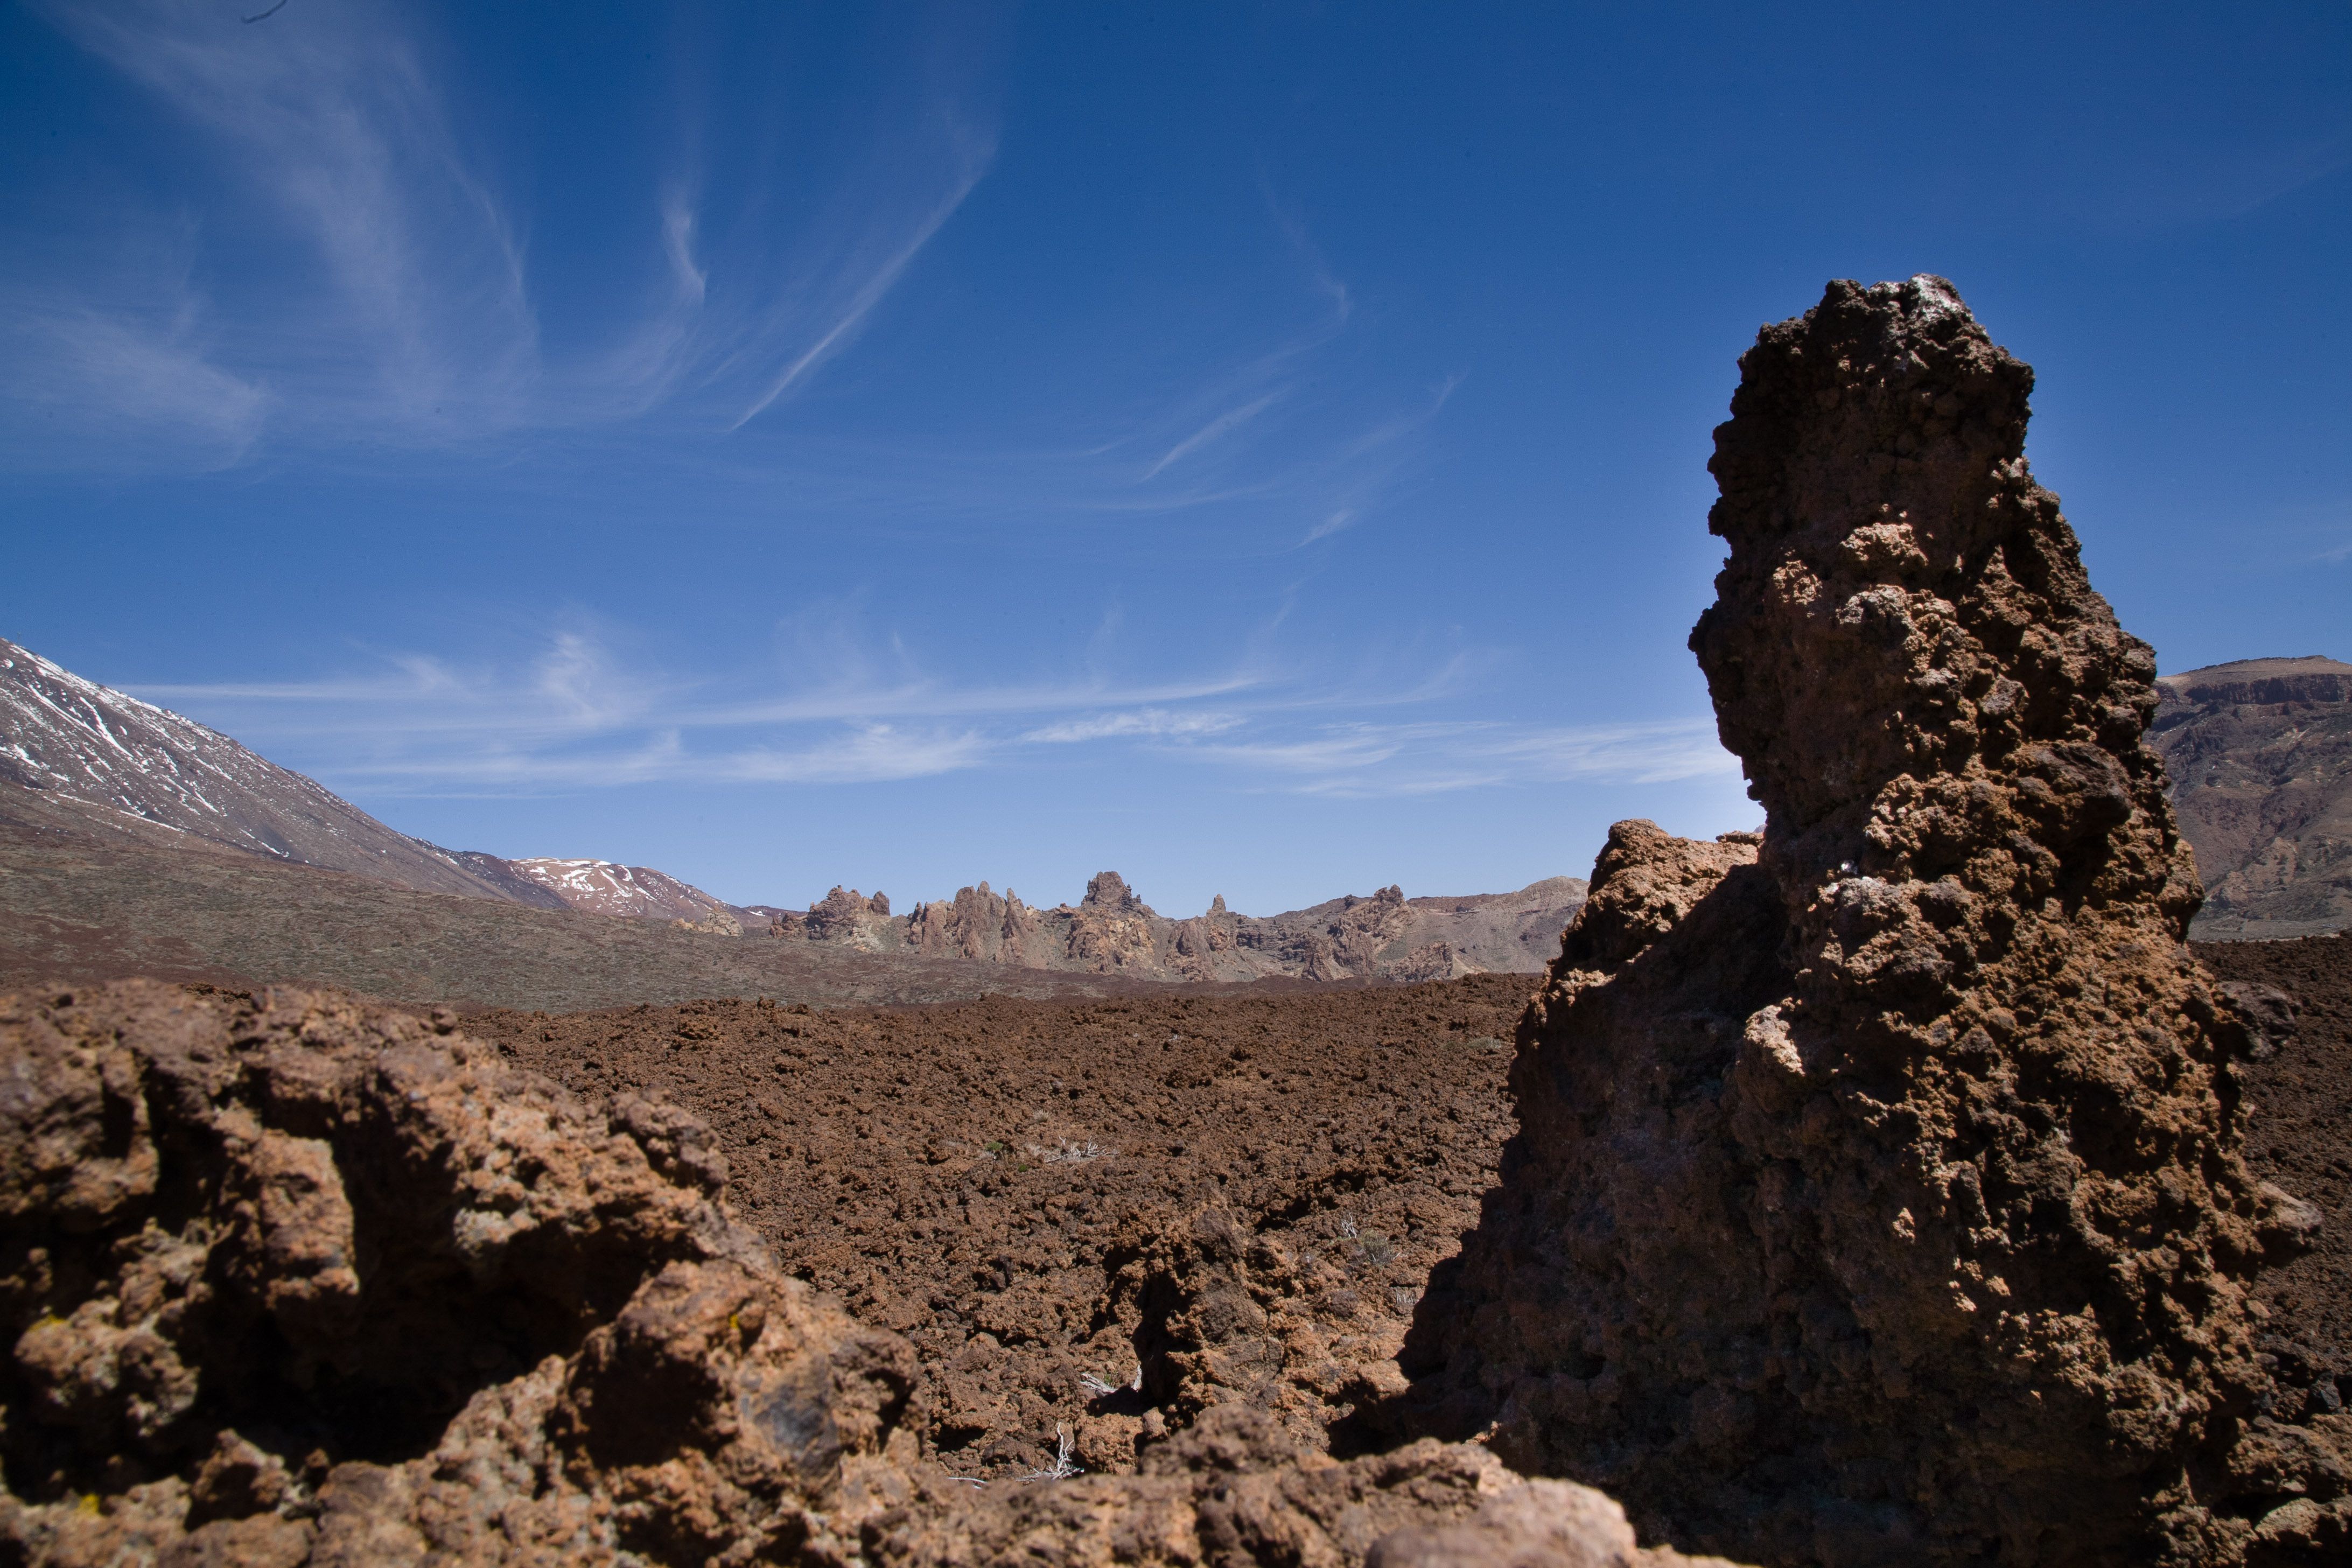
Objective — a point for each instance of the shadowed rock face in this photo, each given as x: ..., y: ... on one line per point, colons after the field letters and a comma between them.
x: 1887, y: 1172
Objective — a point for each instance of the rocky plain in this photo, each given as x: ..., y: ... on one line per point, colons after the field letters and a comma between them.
x: 1897, y: 1183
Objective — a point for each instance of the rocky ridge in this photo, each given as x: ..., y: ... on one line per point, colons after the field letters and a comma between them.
x: 1111, y: 931
x: 1889, y: 1170
x: 2260, y: 755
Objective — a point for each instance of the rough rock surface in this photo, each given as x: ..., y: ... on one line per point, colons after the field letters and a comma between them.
x: 1232, y: 1492
x: 298, y: 1281
x: 294, y: 1281
x: 1891, y: 1178
x: 1238, y: 1195
x: 2296, y: 999
x: 2260, y: 754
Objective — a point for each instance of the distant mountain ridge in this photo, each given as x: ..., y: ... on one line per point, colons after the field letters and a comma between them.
x: 2260, y: 754
x: 94, y: 761
x: 607, y: 887
x: 1111, y: 931
x: 88, y: 758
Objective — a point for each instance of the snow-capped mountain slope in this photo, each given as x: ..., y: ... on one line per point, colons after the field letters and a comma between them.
x: 99, y: 759
x: 606, y: 887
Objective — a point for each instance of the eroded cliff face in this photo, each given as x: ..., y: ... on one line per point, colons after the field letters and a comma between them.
x: 2260, y: 757
x: 1111, y: 931
x: 1886, y: 1171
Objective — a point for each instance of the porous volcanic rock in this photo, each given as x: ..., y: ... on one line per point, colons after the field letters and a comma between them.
x: 298, y: 1281
x: 1889, y: 1171
x: 1233, y: 1491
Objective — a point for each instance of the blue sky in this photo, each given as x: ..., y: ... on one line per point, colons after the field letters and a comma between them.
x: 1260, y: 449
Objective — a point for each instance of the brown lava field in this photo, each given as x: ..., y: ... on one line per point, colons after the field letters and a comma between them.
x: 1015, y: 1185
x: 1228, y: 1196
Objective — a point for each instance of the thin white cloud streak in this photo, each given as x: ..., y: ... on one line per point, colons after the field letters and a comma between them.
x: 871, y: 754
x: 869, y: 294
x: 1371, y: 462
x: 81, y: 380
x: 575, y: 719
x: 1294, y: 229
x: 1207, y: 433
x: 1157, y: 722
x: 399, y: 312
x: 1387, y: 760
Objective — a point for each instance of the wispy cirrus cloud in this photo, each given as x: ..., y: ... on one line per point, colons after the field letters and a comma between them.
x: 348, y: 276
x: 575, y: 718
x: 385, y: 294
x: 1158, y: 723
x: 1231, y: 419
x: 89, y: 382
x: 867, y: 278
x: 1374, y: 759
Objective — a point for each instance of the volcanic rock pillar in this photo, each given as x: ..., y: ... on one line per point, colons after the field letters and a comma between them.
x: 1878, y: 1194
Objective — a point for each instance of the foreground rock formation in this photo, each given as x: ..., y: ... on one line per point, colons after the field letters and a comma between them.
x: 301, y: 1282
x: 1887, y: 1172
x: 2260, y: 755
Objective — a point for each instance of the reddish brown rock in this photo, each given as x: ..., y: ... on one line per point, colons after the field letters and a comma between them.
x: 1231, y: 1490
x: 1113, y: 929
x: 296, y: 1281
x: 1887, y: 1172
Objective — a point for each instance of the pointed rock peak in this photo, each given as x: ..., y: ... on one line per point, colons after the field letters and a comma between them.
x: 1968, y: 857
x: 1217, y: 905
x: 879, y: 903
x: 1109, y: 890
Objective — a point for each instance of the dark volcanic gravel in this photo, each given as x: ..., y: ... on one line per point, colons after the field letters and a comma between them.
x: 1006, y: 1182
x: 2300, y: 1136
x: 1000, y: 1180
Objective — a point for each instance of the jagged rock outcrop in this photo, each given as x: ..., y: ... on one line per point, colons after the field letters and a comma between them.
x: 848, y: 917
x: 1886, y: 1171
x: 2260, y: 755
x: 715, y: 921
x: 1111, y: 931
x: 979, y: 924
x: 295, y: 1281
